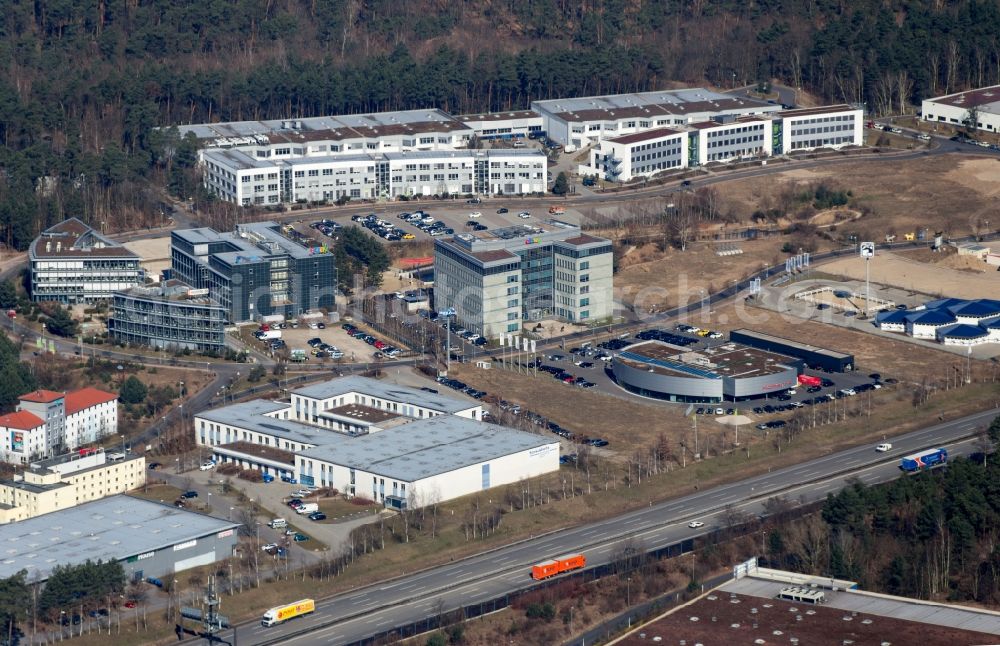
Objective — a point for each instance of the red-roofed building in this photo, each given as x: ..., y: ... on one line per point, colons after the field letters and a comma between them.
x: 42, y: 396
x: 48, y: 422
x: 22, y: 434
x: 90, y: 415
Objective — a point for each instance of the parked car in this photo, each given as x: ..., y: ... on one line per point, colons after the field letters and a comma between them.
x: 207, y: 466
x: 502, y: 210
x: 317, y: 515
x: 189, y: 494
x: 300, y: 538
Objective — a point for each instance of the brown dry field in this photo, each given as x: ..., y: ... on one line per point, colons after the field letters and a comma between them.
x: 946, y: 193
x: 921, y: 273
x: 624, y: 422
x: 662, y: 280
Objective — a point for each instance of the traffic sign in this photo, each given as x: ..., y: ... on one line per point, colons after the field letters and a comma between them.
x: 867, y: 250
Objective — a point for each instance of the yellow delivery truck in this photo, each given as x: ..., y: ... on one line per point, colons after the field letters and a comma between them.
x: 281, y: 614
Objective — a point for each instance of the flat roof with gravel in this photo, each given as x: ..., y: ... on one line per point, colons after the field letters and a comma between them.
x: 426, y: 447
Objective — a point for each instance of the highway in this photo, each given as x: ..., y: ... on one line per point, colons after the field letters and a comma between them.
x: 411, y: 597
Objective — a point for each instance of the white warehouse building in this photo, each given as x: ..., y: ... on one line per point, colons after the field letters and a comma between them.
x: 587, y: 120
x: 956, y: 109
x: 397, y: 445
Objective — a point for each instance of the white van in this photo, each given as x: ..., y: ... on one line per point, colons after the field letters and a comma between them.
x: 307, y: 508
x: 278, y: 523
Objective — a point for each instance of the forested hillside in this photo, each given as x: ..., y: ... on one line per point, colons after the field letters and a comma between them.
x: 82, y: 82
x: 933, y: 535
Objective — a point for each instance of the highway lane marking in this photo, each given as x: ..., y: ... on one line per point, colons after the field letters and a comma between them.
x: 830, y: 482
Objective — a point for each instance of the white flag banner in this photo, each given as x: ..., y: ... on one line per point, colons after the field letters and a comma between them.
x: 502, y: 340
x: 533, y: 342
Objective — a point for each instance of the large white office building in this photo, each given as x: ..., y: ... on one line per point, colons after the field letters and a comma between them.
x: 723, y: 140
x: 830, y: 126
x: 235, y: 176
x: 957, y: 109
x: 374, y: 156
x: 397, y: 445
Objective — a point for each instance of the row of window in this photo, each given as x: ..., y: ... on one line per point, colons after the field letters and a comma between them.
x: 735, y: 141
x: 796, y: 132
x: 660, y: 154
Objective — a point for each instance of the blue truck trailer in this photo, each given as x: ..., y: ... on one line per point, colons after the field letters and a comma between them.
x: 923, y: 460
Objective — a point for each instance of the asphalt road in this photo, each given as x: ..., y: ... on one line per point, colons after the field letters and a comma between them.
x: 381, y: 607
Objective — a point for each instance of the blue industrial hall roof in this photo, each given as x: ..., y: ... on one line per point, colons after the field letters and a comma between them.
x: 963, y: 331
x: 931, y: 317
x: 982, y: 307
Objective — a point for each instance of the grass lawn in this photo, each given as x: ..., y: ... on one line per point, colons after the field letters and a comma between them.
x: 337, y: 509
x: 158, y: 493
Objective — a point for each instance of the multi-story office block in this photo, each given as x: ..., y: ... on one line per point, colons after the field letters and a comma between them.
x: 712, y: 141
x: 830, y: 126
x: 255, y: 271
x: 170, y: 316
x: 237, y: 177
x: 637, y: 155
x: 72, y: 263
x: 722, y: 140
x: 497, y: 279
x: 69, y: 480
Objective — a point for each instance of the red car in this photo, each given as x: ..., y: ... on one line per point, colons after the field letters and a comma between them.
x: 130, y: 604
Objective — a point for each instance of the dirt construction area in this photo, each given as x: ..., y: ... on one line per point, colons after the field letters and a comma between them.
x: 903, y: 271
x: 948, y: 193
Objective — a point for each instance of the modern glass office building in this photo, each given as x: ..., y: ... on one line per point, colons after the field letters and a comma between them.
x: 497, y: 279
x: 72, y: 263
x: 257, y: 270
x: 171, y: 316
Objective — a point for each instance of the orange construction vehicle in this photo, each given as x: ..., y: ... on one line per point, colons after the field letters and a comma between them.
x: 558, y: 565
x: 556, y: 210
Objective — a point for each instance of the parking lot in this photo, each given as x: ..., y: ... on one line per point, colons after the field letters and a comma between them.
x: 341, y: 345
x: 588, y: 366
x: 455, y: 215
